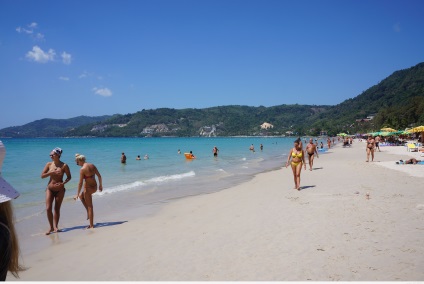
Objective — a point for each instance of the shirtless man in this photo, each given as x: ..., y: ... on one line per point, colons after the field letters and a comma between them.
x: 311, y: 149
x: 377, y: 142
x: 215, y: 151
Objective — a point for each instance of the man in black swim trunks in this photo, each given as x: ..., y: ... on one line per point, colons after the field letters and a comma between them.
x: 215, y: 151
x: 311, y: 149
x: 377, y: 141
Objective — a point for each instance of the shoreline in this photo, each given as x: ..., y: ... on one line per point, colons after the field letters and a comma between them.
x: 262, y: 229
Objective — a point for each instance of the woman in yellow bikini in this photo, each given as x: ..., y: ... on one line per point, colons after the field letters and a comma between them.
x: 297, y: 157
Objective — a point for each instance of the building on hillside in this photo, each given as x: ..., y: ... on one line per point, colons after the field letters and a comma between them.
x: 266, y: 125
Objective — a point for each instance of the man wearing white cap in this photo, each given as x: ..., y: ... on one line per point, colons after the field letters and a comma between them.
x: 9, y: 247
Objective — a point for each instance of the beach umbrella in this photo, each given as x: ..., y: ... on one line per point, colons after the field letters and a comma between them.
x: 417, y: 129
x: 388, y: 129
x: 342, y: 134
x: 400, y: 132
x: 386, y: 133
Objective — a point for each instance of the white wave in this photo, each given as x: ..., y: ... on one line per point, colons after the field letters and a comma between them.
x: 138, y: 184
x: 244, y: 159
x: 171, y: 177
x: 121, y: 187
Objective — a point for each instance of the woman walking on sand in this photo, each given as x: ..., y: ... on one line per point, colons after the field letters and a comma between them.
x: 370, y: 148
x: 297, y: 157
x: 87, y: 173
x: 55, y: 190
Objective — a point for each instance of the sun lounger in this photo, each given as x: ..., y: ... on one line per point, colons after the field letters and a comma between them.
x: 411, y: 147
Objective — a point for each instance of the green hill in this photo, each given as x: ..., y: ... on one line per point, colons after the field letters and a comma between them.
x: 214, y: 121
x: 49, y: 127
x: 397, y: 102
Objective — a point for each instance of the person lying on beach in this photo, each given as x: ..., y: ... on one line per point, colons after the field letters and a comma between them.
x: 412, y: 161
x: 87, y: 176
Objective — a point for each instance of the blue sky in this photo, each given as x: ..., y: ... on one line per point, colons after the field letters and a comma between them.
x: 61, y: 59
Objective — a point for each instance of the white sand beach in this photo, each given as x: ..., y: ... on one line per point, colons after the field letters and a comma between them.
x: 264, y: 230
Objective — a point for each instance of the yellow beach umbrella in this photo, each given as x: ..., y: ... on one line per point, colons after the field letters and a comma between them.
x: 388, y: 129
x: 417, y: 129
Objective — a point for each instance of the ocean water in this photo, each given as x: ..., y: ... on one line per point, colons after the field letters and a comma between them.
x: 132, y: 188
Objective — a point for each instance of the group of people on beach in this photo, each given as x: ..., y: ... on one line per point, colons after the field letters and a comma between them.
x: 55, y: 170
x: 296, y: 158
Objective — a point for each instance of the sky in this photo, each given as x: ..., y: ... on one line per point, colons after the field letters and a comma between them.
x: 62, y: 59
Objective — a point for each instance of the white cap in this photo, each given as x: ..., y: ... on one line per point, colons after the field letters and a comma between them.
x: 7, y: 192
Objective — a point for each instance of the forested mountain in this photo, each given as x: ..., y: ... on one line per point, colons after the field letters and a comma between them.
x: 48, y: 127
x: 397, y: 102
x: 215, y: 121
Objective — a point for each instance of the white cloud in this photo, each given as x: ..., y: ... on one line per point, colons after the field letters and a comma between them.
x: 64, y: 78
x: 66, y: 58
x: 30, y: 30
x: 38, y: 55
x: 105, y: 92
x: 24, y: 30
x: 39, y: 36
x: 84, y: 74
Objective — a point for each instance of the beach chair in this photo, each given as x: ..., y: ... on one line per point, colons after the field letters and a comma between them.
x: 411, y: 147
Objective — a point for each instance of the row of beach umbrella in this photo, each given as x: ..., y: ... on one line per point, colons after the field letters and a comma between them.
x: 387, y: 131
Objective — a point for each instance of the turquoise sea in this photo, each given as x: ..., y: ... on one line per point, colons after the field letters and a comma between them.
x: 138, y: 186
